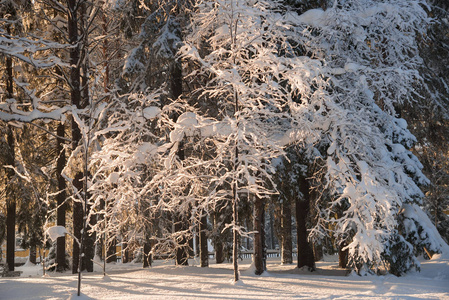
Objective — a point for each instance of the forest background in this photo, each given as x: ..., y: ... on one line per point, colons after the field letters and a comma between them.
x: 148, y: 123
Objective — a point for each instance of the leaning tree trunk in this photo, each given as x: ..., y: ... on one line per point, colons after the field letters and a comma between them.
x: 259, y: 257
x: 286, y: 233
x: 305, y: 252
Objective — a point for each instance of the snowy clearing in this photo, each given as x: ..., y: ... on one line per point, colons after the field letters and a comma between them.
x: 166, y: 281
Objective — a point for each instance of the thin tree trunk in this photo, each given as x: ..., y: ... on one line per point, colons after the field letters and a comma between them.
x: 259, y: 236
x: 235, y: 195
x: 272, y: 235
x: 204, y: 252
x: 305, y: 253
x: 60, y: 198
x: 235, y: 249
x: 286, y: 230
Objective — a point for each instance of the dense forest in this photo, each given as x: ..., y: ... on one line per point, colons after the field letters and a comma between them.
x: 160, y: 125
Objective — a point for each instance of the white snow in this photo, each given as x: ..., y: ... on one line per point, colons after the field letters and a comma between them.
x: 151, y: 112
x: 56, y: 231
x: 313, y: 17
x: 166, y: 281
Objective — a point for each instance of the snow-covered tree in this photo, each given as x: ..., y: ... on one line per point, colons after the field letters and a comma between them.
x: 243, y: 48
x: 369, y: 56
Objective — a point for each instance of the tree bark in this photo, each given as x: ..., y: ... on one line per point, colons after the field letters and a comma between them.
x: 259, y: 245
x: 32, y: 255
x: 204, y: 251
x: 75, y: 97
x: 89, y: 242
x: 60, y: 199
x: 77, y: 224
x: 182, y: 253
x: 147, y: 259
x: 305, y: 253
x: 235, y: 237
x: 318, y: 251
x: 286, y: 229
x: 112, y: 251
x: 125, y: 253
x: 343, y: 256
x: 10, y: 197
x: 219, y: 255
x: 10, y: 205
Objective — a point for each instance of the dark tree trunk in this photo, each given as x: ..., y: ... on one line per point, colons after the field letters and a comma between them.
x: 259, y: 257
x: 33, y: 254
x: 10, y: 232
x: 235, y: 196
x: 219, y: 254
x: 305, y: 253
x: 112, y: 251
x: 60, y: 198
x: 176, y: 80
x: 75, y: 97
x: 272, y: 235
x: 89, y: 242
x: 77, y: 223
x: 343, y: 256
x: 89, y: 250
x: 182, y: 252
x: 10, y: 160
x: 204, y: 252
x: 181, y: 255
x: 147, y: 259
x: 10, y: 206
x: 125, y: 253
x: 235, y: 237
x: 286, y: 231
x: 318, y: 251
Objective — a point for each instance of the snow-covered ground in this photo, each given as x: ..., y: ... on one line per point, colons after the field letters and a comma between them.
x: 166, y: 281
